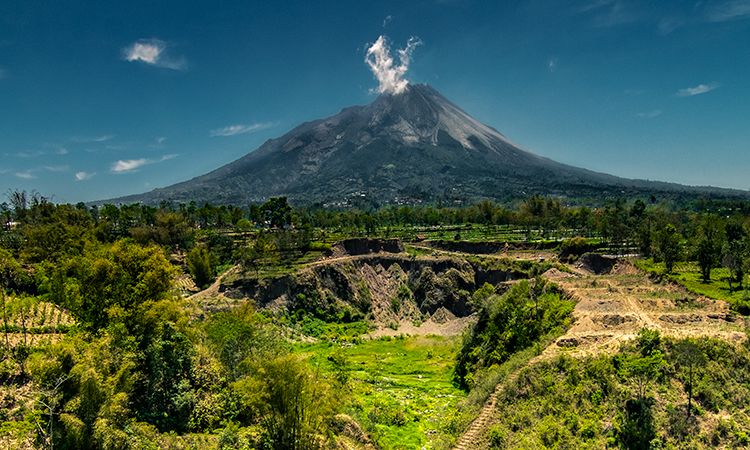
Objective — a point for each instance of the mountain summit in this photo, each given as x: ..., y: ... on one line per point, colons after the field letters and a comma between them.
x: 411, y: 147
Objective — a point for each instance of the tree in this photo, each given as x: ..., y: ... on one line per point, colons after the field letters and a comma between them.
x: 642, y: 367
x: 250, y: 256
x: 708, y: 249
x: 19, y: 201
x: 277, y: 212
x: 735, y: 252
x: 668, y: 246
x: 240, y: 339
x: 201, y: 267
x: 123, y: 275
x: 297, y: 405
x: 690, y: 360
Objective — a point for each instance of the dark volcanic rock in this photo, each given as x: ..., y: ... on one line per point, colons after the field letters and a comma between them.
x: 364, y: 246
x: 596, y: 263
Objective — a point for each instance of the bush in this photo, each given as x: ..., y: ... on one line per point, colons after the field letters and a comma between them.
x: 510, y: 323
x: 574, y: 247
x: 200, y: 265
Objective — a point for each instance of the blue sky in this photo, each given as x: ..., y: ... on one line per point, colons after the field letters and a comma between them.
x: 107, y: 98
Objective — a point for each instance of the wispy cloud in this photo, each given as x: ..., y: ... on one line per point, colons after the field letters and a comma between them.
x: 93, y: 139
x: 233, y: 130
x: 728, y: 10
x: 27, y: 154
x: 63, y: 168
x: 25, y: 175
x: 552, y: 64
x: 83, y: 176
x: 30, y: 174
x: 669, y: 24
x: 649, y: 114
x: 609, y: 13
x: 696, y: 90
x: 387, y: 20
x: 153, y: 52
x: 3, y: 73
x: 131, y: 165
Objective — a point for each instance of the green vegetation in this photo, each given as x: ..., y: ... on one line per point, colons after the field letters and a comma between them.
x: 509, y: 323
x: 655, y: 393
x: 688, y: 274
x: 399, y: 389
x: 100, y: 350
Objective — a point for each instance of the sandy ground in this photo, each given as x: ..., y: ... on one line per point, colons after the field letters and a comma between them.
x: 451, y: 327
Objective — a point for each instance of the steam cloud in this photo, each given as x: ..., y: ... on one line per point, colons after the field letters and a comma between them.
x: 390, y: 75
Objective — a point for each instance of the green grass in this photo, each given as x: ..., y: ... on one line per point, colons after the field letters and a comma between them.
x: 688, y: 275
x: 467, y: 232
x: 401, y: 389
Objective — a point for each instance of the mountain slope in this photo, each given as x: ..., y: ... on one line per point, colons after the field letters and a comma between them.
x: 407, y: 148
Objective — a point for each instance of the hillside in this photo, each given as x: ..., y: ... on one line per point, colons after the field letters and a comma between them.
x: 412, y: 147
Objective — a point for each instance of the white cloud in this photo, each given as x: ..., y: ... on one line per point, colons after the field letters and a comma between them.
x: 83, y: 176
x: 25, y: 175
x: 233, y: 130
x: 153, y: 52
x: 130, y: 165
x: 160, y: 140
x: 390, y: 75
x: 696, y: 90
x: 729, y: 10
x: 61, y: 151
x: 649, y: 114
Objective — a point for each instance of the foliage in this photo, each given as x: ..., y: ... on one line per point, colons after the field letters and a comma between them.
x: 107, y: 280
x: 201, y: 266
x: 297, y: 403
x: 509, y: 323
x: 399, y: 389
x: 667, y: 246
x: 593, y: 403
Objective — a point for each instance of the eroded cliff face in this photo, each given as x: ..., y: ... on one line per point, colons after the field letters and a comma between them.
x: 381, y: 288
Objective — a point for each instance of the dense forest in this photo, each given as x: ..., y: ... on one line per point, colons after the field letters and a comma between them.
x: 101, y: 350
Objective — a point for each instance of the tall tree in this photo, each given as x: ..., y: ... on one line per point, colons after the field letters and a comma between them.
x: 668, y: 246
x: 735, y: 252
x: 708, y: 249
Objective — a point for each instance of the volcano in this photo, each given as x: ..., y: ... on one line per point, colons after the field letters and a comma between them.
x: 412, y: 147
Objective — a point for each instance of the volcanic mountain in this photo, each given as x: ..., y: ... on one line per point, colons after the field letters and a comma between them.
x: 411, y: 147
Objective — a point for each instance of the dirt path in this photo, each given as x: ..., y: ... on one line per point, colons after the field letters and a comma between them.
x: 212, y: 295
x: 611, y: 309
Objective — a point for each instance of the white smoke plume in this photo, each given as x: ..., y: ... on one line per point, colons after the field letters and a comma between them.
x: 390, y: 75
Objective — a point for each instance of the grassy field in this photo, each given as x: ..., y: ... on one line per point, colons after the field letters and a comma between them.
x: 401, y: 388
x: 688, y: 274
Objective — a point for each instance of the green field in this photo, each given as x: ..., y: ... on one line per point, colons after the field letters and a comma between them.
x: 401, y: 388
x: 688, y: 275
